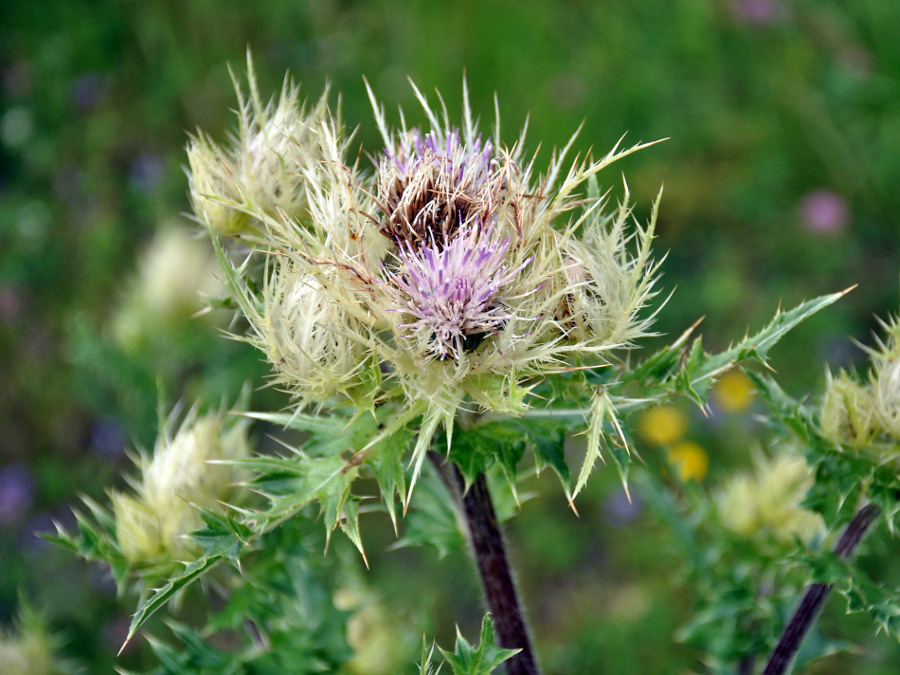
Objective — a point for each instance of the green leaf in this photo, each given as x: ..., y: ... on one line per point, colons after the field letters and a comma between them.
x: 425, y: 665
x: 604, y: 430
x: 482, y: 660
x: 693, y: 371
x: 433, y: 518
x: 477, y: 448
x: 157, y: 598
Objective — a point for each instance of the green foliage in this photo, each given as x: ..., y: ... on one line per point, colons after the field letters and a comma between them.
x: 80, y: 198
x: 480, y: 660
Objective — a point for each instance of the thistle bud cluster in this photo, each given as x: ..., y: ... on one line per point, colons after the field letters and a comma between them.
x: 861, y: 415
x: 452, y: 273
x: 153, y: 522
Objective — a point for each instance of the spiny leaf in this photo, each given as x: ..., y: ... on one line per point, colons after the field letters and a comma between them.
x: 701, y: 369
x: 477, y: 448
x: 160, y: 596
x: 602, y: 412
x: 466, y: 660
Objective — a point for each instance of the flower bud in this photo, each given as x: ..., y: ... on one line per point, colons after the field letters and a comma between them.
x: 28, y: 651
x: 848, y: 415
x: 174, y: 272
x: 314, y: 345
x: 264, y: 169
x: 152, y: 524
x: 767, y: 502
x: 886, y: 395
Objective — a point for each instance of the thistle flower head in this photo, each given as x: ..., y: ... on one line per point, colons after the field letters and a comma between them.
x: 152, y: 524
x: 432, y: 186
x: 453, y: 274
x: 455, y: 292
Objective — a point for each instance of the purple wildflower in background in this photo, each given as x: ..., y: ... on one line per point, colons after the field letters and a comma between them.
x: 89, y: 91
x: 823, y: 212
x: 146, y: 172
x: 16, y: 493
x: 107, y: 438
x: 757, y: 12
x: 453, y: 291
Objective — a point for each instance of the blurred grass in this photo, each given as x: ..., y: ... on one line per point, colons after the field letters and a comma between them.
x: 765, y: 103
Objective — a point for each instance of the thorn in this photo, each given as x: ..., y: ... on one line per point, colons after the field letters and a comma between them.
x: 125, y: 644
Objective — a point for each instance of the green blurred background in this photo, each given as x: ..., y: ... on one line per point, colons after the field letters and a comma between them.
x: 781, y: 178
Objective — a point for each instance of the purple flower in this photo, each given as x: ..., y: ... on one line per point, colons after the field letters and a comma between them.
x: 107, y: 439
x: 454, y: 291
x: 16, y: 493
x: 146, y: 172
x: 89, y: 91
x: 756, y: 12
x: 430, y: 187
x: 823, y: 212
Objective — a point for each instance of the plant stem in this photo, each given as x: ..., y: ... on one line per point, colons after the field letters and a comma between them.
x: 493, y: 567
x: 815, y: 596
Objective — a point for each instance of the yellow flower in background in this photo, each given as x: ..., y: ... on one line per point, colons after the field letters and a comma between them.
x: 662, y: 425
x: 689, y: 460
x: 734, y: 391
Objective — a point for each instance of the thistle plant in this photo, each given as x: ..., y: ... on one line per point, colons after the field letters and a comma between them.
x: 445, y: 296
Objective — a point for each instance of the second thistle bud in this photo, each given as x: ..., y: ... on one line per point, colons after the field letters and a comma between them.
x: 848, y: 415
x: 152, y: 524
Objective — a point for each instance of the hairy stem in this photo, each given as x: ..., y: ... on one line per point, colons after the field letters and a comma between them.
x: 493, y: 567
x: 816, y: 594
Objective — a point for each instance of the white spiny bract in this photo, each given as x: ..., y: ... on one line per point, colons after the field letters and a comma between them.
x: 264, y: 166
x: 867, y: 415
x: 454, y: 274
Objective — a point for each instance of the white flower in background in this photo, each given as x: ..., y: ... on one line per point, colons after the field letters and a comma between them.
x: 29, y: 650
x: 152, y: 524
x: 175, y: 272
x: 766, y: 503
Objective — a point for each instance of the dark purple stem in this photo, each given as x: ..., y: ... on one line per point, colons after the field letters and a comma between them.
x: 493, y: 567
x: 815, y: 596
